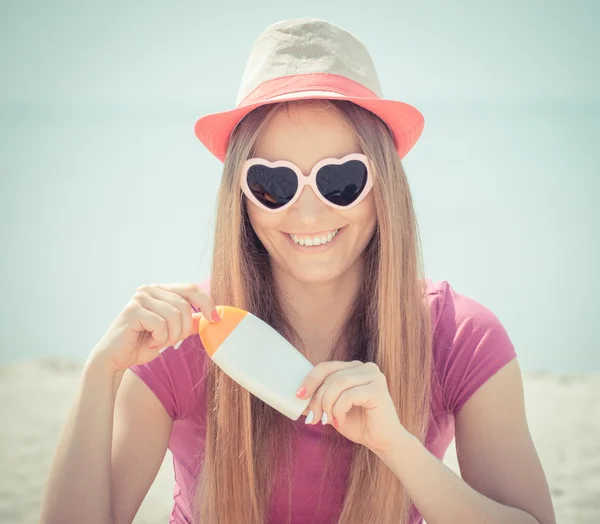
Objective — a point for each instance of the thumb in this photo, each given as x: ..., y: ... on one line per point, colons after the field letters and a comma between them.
x: 196, y: 318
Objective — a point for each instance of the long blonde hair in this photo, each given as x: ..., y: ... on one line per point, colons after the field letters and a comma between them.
x: 246, y: 440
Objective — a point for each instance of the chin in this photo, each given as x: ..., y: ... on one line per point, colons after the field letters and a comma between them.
x: 314, y: 275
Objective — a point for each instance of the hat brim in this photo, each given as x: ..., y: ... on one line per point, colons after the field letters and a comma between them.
x: 404, y: 121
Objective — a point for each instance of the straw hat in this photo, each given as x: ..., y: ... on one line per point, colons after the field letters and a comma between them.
x: 309, y: 58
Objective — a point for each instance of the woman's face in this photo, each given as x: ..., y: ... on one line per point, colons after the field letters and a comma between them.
x: 304, y: 137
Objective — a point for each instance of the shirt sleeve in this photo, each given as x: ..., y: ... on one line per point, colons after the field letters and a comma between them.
x: 176, y: 376
x: 472, y: 346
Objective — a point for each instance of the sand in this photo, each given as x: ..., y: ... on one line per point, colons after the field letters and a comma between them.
x: 563, y: 413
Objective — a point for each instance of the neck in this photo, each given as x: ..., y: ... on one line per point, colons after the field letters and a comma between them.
x: 317, y: 310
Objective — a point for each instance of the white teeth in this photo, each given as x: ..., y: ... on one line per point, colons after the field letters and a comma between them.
x: 315, y: 241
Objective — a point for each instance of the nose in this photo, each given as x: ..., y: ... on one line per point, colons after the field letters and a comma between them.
x: 309, y: 208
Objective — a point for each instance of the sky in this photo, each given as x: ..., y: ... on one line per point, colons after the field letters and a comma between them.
x: 105, y: 187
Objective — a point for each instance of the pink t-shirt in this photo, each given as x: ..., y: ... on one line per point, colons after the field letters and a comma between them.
x: 469, y: 346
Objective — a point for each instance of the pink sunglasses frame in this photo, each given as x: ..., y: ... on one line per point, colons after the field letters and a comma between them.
x: 310, y: 180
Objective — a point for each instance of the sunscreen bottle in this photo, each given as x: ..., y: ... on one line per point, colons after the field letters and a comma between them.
x: 258, y: 358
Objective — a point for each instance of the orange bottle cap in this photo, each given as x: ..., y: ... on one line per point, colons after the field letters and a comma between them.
x: 213, y: 334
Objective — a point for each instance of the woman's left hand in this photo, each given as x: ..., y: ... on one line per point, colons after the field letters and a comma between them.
x: 354, y: 398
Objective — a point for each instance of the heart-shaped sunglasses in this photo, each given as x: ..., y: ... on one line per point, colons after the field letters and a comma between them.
x: 339, y: 182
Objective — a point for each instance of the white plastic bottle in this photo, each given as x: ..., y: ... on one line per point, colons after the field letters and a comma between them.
x: 258, y: 358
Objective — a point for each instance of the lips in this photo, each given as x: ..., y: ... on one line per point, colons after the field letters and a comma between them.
x: 314, y: 248
x: 314, y: 240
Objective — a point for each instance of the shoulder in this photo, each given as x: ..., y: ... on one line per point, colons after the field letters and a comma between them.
x: 469, y: 343
x: 435, y: 292
x: 450, y: 309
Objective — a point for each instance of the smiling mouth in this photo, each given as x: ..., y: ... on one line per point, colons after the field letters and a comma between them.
x: 315, y: 240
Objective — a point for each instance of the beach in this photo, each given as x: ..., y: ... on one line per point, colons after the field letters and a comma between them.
x: 563, y: 413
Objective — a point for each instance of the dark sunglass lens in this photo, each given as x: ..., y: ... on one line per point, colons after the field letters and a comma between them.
x: 342, y: 184
x: 272, y: 186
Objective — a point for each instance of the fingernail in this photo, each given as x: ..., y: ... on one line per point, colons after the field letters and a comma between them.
x: 309, y: 417
x: 215, y: 316
x: 301, y: 391
x: 176, y: 346
x: 324, y: 418
x: 336, y: 423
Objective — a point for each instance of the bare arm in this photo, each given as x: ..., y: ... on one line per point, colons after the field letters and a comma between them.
x: 101, y: 473
x: 81, y: 479
x: 141, y: 434
x: 495, y: 451
x: 78, y: 488
x: 503, y: 480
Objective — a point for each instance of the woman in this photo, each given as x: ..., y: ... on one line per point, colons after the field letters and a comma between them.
x: 402, y: 364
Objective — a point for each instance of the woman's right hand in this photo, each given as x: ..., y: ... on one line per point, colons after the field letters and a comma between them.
x: 157, y: 316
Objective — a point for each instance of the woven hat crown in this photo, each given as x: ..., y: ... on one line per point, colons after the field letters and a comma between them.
x: 307, y: 46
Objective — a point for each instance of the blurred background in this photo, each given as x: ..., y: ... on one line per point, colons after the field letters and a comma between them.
x: 105, y: 187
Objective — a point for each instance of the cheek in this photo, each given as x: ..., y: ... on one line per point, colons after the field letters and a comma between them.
x: 262, y: 221
x: 364, y: 214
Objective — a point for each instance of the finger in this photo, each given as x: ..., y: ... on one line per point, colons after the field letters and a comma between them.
x: 155, y: 326
x: 172, y: 316
x: 314, y: 406
x: 196, y: 297
x: 316, y: 402
x: 361, y: 396
x: 339, y: 383
x: 185, y: 310
x: 320, y: 372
